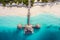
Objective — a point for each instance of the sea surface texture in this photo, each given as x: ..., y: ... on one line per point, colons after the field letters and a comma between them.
x: 49, y: 27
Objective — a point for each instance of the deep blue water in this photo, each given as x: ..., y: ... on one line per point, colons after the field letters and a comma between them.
x: 50, y: 27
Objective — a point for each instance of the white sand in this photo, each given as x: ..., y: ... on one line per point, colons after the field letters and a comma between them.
x: 36, y: 10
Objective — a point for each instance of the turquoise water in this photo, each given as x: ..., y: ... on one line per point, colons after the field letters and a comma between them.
x: 50, y: 27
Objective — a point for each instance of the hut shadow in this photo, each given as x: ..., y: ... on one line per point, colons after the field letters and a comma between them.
x: 26, y: 36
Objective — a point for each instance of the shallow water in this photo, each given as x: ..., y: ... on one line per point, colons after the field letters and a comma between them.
x: 50, y: 27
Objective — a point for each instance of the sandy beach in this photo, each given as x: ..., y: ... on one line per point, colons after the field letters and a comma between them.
x: 35, y: 10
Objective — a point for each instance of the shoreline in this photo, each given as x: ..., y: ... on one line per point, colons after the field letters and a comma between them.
x: 35, y: 10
